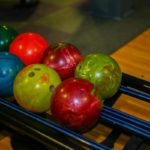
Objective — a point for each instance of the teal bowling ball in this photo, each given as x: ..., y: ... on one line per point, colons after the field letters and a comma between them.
x: 101, y: 70
x: 7, y: 35
x: 10, y: 65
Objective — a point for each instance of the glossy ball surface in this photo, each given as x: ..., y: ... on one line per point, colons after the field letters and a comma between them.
x: 63, y: 57
x: 34, y: 86
x: 75, y: 105
x: 10, y: 65
x: 103, y: 71
x: 7, y: 35
x: 29, y: 47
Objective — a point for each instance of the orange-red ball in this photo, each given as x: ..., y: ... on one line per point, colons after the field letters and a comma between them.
x: 29, y: 47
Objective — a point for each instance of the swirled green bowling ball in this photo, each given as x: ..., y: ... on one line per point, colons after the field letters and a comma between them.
x: 7, y: 35
x: 34, y: 86
x: 103, y: 71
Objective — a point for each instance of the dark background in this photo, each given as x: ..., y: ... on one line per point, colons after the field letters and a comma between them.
x: 74, y: 21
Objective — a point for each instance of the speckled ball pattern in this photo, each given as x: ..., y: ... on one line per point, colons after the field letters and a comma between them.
x: 103, y: 71
x: 34, y: 86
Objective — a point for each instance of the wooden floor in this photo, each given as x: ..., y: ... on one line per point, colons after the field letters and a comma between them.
x: 134, y: 59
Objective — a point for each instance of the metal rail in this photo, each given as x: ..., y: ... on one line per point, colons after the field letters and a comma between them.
x: 48, y: 132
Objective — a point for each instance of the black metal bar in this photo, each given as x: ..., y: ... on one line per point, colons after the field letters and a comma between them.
x: 137, y: 94
x: 135, y: 143
x: 111, y: 138
x: 42, y: 129
x: 48, y: 132
x: 138, y: 88
x: 136, y: 83
x: 126, y: 121
x: 22, y: 142
x: 111, y: 101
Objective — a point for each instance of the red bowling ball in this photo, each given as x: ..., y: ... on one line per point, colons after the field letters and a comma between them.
x: 75, y: 104
x: 63, y: 57
x: 29, y: 47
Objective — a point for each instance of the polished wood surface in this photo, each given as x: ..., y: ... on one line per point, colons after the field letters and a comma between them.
x: 5, y: 143
x: 134, y: 59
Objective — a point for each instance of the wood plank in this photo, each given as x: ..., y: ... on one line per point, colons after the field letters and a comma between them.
x: 134, y: 57
x: 133, y: 106
x: 5, y: 140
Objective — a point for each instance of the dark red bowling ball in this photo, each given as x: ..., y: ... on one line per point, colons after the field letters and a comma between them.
x: 63, y: 57
x: 75, y: 104
x: 29, y: 47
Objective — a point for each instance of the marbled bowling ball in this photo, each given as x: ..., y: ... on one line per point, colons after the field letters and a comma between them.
x: 7, y: 35
x: 63, y: 57
x: 34, y: 86
x: 103, y: 71
x: 75, y: 104
x: 10, y: 65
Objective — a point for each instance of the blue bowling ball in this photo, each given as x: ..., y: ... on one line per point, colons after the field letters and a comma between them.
x: 10, y: 65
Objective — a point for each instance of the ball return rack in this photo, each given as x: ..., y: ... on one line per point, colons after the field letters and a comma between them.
x: 46, y: 132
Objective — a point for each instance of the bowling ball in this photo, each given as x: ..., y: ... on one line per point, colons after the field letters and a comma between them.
x: 34, y: 86
x: 7, y: 35
x: 10, y: 65
x: 75, y: 104
x: 103, y: 71
x: 63, y: 57
x: 29, y: 47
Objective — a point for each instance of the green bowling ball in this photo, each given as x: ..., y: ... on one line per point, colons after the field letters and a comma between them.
x: 7, y: 35
x: 103, y: 71
x: 33, y: 87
